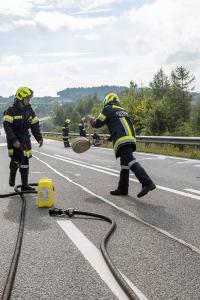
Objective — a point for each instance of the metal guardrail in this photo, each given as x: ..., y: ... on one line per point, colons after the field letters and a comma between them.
x: 174, y: 140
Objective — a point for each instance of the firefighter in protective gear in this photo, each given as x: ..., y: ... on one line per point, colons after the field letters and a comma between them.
x: 65, y: 133
x: 81, y: 127
x: 17, y: 121
x: 122, y: 133
x: 96, y: 139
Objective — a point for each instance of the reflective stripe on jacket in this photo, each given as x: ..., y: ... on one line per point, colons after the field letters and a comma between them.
x: 119, y: 124
x: 17, y: 121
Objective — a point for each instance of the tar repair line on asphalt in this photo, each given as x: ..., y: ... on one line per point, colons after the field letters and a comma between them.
x: 162, y: 231
x: 96, y: 260
x: 100, y: 169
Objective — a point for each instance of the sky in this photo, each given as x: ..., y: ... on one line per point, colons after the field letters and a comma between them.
x: 50, y: 45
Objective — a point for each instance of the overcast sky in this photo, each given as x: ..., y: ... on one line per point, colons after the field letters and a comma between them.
x: 49, y: 45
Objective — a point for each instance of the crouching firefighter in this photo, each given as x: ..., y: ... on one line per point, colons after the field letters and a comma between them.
x: 122, y: 133
x: 17, y: 121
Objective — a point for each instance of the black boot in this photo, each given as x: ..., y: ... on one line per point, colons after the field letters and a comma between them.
x: 144, y: 179
x: 12, y: 178
x: 13, y: 172
x: 123, y: 184
x: 146, y: 189
x: 24, y: 177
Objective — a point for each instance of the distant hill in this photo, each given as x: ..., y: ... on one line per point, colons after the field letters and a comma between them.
x: 74, y: 94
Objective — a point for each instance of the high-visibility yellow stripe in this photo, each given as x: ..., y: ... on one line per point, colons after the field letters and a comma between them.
x: 34, y: 120
x: 127, y: 126
x: 128, y: 138
x: 8, y: 118
x: 10, y: 152
x: 27, y: 153
x: 101, y: 117
x: 17, y: 117
x: 115, y: 106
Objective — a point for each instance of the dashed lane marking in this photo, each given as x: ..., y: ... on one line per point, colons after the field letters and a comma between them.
x: 70, y: 161
x: 162, y: 231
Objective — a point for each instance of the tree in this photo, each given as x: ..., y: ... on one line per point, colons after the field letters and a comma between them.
x: 182, y: 79
x: 160, y: 84
x: 195, y: 119
x: 157, y: 121
x: 180, y: 97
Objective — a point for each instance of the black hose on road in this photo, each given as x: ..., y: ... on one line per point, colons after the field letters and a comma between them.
x: 71, y: 212
x: 13, y: 267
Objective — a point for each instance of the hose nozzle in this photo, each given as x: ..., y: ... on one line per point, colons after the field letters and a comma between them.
x: 59, y: 212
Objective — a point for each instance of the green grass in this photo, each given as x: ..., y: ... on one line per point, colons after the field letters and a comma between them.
x: 171, y: 150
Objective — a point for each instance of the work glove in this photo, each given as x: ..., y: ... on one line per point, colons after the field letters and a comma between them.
x: 88, y: 119
x: 40, y: 143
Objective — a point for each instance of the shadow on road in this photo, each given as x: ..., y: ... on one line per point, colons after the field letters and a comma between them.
x: 35, y: 219
x: 156, y: 215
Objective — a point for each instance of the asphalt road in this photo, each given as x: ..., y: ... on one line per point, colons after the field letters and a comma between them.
x: 156, y: 245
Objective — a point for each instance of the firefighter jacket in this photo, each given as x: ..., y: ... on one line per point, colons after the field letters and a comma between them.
x: 82, y: 131
x: 119, y: 124
x: 17, y: 121
x: 65, y: 130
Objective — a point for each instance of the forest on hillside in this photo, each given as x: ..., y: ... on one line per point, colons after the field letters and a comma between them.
x: 73, y: 94
x: 43, y: 106
x: 165, y: 107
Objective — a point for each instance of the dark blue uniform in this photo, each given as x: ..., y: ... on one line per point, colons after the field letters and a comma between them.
x: 122, y: 134
x: 18, y: 119
x: 82, y: 131
x: 65, y: 133
x: 120, y: 126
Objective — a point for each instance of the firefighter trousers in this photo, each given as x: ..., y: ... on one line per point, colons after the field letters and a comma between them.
x: 129, y: 162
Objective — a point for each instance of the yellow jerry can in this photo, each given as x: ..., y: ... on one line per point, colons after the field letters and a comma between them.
x: 45, y: 192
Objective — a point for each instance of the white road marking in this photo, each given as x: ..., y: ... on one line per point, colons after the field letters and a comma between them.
x: 161, y: 157
x: 3, y: 144
x: 96, y: 260
x: 105, y: 168
x: 198, y: 166
x: 166, y: 189
x: 166, y: 233
x: 192, y: 191
x: 186, y: 162
x: 38, y: 172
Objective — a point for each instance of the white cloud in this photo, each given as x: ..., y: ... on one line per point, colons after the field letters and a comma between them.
x: 103, y: 50
x: 11, y: 60
x: 15, y: 24
x: 90, y: 37
x: 92, y: 4
x: 56, y: 21
x: 93, y: 11
x: 15, y: 7
x: 167, y: 26
x: 158, y: 31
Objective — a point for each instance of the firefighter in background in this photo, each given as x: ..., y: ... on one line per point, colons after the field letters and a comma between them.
x: 65, y: 133
x: 18, y: 119
x: 122, y: 133
x: 96, y: 139
x: 81, y: 127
